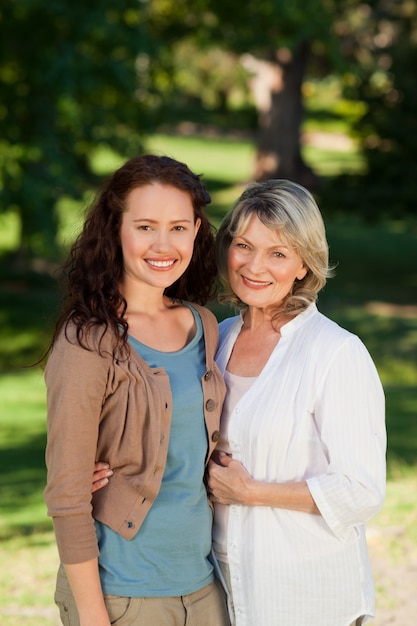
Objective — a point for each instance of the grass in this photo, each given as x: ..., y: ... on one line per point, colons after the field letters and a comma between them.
x: 27, y: 550
x: 29, y: 564
x: 22, y: 445
x: 373, y: 295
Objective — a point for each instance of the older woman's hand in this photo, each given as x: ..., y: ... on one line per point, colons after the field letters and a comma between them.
x: 228, y: 481
x: 101, y: 475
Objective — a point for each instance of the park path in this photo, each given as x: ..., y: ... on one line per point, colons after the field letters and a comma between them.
x: 395, y: 576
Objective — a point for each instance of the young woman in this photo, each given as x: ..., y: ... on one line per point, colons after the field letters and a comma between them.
x: 131, y: 380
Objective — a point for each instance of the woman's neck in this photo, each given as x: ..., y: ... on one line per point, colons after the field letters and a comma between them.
x: 262, y: 321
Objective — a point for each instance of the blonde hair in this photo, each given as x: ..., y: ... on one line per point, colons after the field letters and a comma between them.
x: 289, y: 209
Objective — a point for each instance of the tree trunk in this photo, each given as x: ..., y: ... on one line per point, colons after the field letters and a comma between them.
x: 276, y: 86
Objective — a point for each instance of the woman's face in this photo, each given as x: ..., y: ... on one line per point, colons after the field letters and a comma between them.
x: 157, y: 235
x: 262, y: 268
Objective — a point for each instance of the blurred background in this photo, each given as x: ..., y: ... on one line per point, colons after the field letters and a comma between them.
x: 323, y: 92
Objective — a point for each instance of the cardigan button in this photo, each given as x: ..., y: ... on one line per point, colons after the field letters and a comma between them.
x: 215, y: 436
x: 210, y: 405
x: 208, y: 375
x: 130, y: 524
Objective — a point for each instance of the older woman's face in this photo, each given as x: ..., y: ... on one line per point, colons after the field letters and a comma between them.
x: 262, y: 268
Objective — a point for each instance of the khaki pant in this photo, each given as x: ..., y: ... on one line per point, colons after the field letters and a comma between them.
x: 206, y: 607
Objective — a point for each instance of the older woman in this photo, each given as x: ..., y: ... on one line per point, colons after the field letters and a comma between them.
x: 300, y: 467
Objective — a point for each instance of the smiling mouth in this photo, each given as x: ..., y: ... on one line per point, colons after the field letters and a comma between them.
x: 255, y: 283
x: 161, y: 265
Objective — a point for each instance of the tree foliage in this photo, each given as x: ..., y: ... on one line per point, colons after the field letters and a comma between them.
x: 385, y: 55
x: 67, y: 83
x: 259, y: 26
x: 76, y: 75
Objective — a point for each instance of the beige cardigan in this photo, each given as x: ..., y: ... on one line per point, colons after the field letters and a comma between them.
x: 118, y: 411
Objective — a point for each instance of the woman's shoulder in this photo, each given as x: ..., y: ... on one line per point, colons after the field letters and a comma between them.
x: 329, y: 337
x: 227, y: 322
x: 328, y: 327
x: 226, y: 326
x: 96, y: 337
x: 210, y: 326
x: 82, y: 357
x: 208, y: 318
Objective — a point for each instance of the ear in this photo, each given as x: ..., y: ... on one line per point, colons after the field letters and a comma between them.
x: 302, y: 273
x: 197, y: 226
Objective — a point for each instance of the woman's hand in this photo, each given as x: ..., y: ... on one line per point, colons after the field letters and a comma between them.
x: 101, y: 475
x: 228, y: 481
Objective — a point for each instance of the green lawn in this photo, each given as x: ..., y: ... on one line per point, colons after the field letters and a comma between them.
x: 373, y: 294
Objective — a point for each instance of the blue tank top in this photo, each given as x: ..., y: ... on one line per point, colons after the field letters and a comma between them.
x: 169, y: 554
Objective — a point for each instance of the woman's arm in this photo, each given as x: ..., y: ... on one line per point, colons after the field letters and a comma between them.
x: 349, y: 413
x: 230, y: 483
x: 85, y: 585
x: 76, y: 382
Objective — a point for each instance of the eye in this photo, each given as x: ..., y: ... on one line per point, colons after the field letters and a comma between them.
x: 278, y: 254
x: 144, y: 227
x: 242, y: 246
x: 179, y: 228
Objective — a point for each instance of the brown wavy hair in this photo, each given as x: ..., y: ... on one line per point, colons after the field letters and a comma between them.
x: 94, y: 267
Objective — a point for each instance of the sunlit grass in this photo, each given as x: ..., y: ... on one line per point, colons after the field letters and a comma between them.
x: 27, y: 579
x: 400, y: 512
x: 226, y: 159
x: 22, y: 444
x: 324, y: 163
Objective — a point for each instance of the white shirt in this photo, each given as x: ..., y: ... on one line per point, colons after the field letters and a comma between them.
x: 315, y: 413
x: 236, y: 387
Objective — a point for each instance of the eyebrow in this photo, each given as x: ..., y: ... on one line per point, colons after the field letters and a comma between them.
x: 274, y: 247
x: 149, y: 220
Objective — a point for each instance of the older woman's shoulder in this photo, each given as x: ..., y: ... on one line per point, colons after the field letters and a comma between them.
x: 328, y: 332
x: 228, y: 322
x: 230, y: 326
x: 329, y: 326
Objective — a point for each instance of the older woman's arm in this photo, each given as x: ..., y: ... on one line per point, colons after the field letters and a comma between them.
x: 230, y: 483
x: 350, y: 416
x: 101, y: 475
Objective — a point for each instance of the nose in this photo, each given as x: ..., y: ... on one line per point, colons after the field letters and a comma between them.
x: 256, y: 263
x: 161, y: 241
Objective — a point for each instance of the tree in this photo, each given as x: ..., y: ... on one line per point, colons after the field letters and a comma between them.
x: 67, y: 83
x: 276, y: 40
